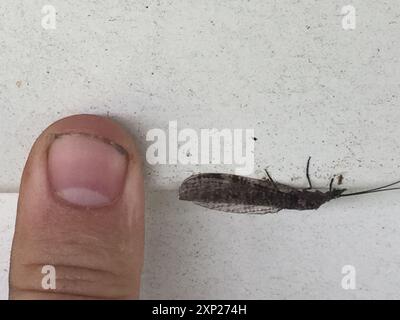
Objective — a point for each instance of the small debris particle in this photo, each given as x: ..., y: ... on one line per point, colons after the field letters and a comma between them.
x: 18, y: 83
x: 340, y: 179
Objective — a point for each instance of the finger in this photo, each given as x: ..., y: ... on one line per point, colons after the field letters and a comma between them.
x: 80, y: 210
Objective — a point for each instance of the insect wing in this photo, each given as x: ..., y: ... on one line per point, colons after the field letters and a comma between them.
x: 230, y: 193
x: 237, y: 208
x: 208, y: 186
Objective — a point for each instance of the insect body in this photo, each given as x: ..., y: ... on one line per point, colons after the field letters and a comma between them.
x: 238, y: 194
x: 232, y: 193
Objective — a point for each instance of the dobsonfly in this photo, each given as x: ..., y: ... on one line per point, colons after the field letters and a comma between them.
x: 239, y: 194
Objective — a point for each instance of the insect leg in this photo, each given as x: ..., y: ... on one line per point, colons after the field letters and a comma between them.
x: 308, y: 173
x: 272, y: 180
x: 330, y: 184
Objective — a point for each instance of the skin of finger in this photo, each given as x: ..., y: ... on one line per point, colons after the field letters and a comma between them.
x: 97, y: 253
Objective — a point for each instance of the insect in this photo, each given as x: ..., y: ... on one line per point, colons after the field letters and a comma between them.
x: 238, y: 194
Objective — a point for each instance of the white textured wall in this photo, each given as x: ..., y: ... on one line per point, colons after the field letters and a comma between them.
x: 285, y: 68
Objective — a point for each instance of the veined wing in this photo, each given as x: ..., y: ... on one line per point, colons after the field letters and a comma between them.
x: 229, y: 188
x: 238, y: 208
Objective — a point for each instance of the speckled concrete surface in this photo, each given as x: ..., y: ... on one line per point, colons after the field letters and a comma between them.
x: 285, y: 68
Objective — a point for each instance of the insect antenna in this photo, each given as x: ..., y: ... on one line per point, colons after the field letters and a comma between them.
x: 380, y: 189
